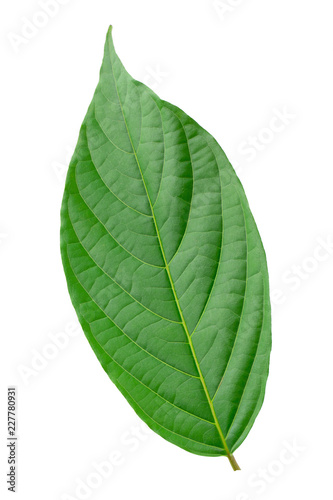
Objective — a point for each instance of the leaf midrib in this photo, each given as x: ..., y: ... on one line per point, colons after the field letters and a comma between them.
x: 211, y: 406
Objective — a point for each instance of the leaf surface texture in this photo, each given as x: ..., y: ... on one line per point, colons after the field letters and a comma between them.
x: 165, y: 266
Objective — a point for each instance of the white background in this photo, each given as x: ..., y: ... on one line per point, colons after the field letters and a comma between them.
x: 232, y: 67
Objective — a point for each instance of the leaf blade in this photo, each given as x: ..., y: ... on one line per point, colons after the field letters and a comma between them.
x: 165, y: 266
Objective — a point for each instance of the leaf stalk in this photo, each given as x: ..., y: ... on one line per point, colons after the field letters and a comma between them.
x: 233, y: 462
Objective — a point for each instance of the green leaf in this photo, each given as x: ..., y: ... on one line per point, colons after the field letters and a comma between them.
x: 165, y: 266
